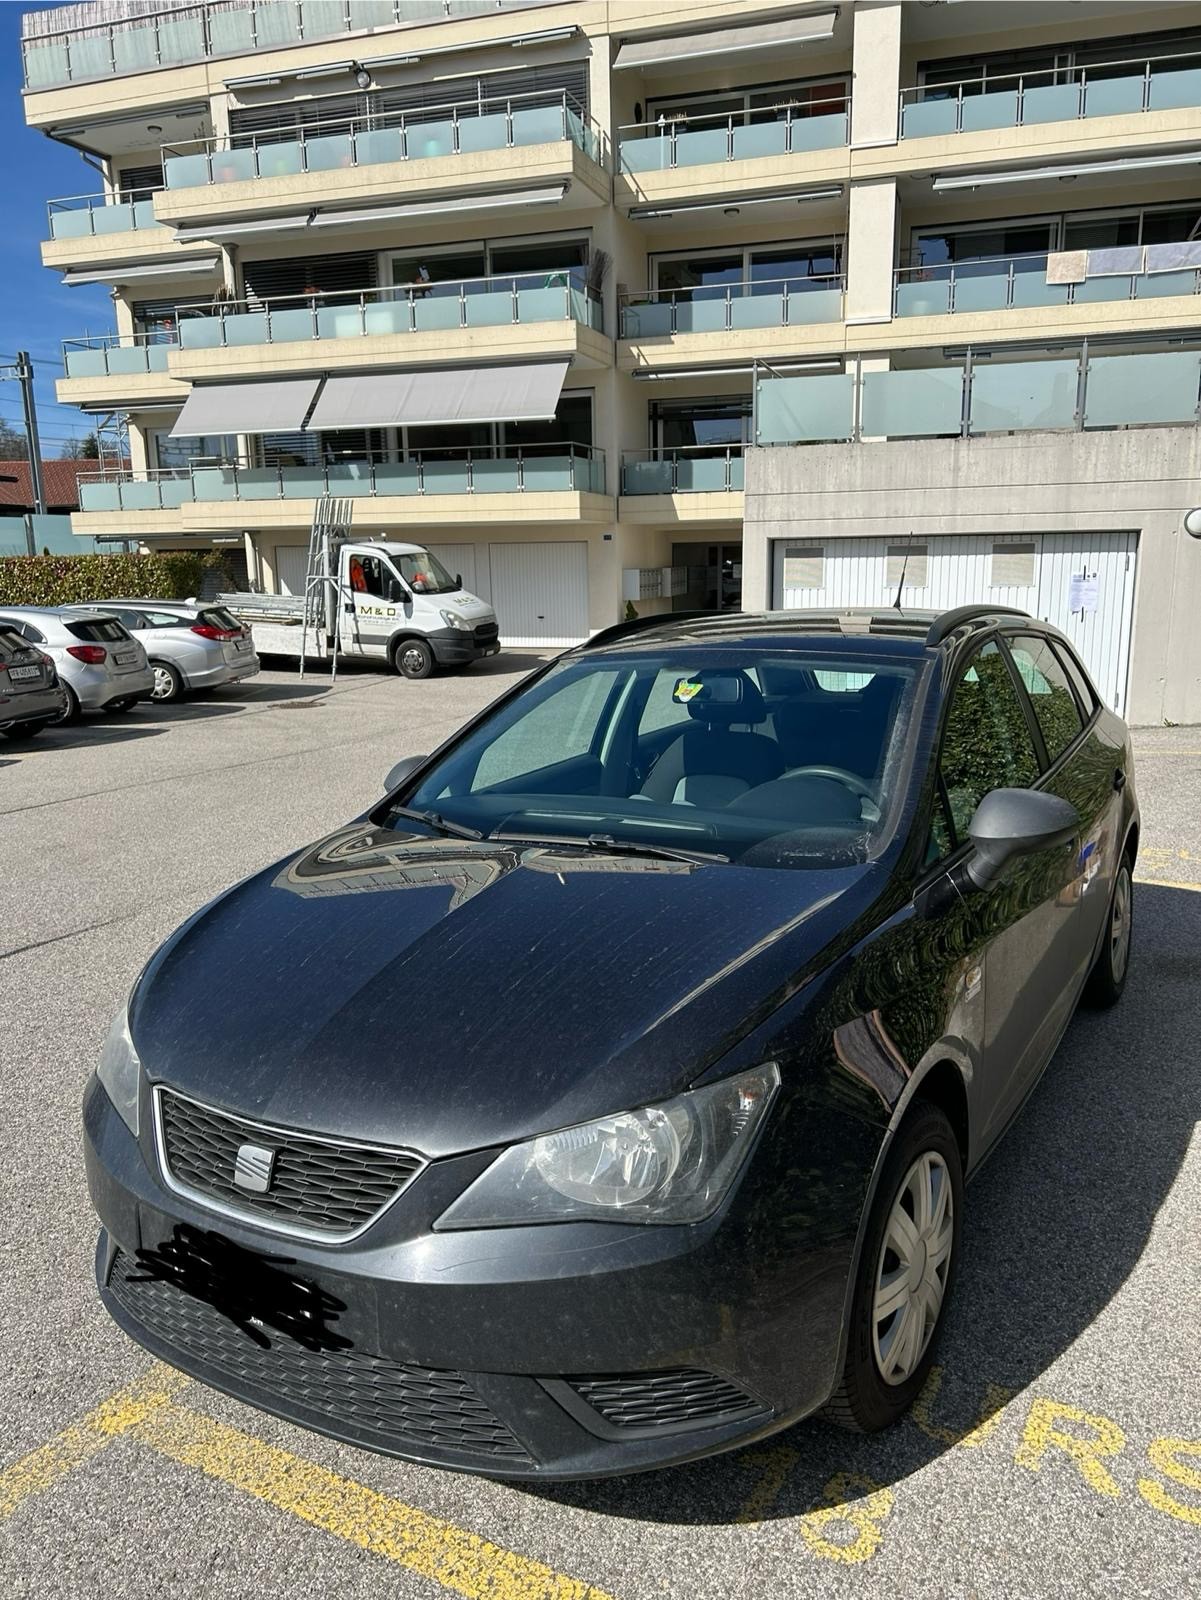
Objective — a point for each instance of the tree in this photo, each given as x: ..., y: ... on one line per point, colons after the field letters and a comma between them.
x: 86, y: 449
x: 12, y: 443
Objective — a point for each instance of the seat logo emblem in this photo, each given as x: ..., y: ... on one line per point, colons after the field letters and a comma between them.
x: 254, y: 1168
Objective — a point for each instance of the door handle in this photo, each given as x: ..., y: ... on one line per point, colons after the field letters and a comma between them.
x: 1119, y: 780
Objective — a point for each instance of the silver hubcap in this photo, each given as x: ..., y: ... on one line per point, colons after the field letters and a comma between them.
x: 413, y: 660
x: 1119, y: 924
x: 164, y: 684
x: 911, y: 1275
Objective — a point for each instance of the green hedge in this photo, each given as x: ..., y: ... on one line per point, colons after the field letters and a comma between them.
x: 57, y: 580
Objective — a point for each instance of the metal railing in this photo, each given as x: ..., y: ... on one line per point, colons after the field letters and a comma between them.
x: 143, y: 41
x: 524, y: 297
x: 790, y: 128
x: 1001, y: 283
x: 516, y: 469
x: 114, y: 354
x: 1052, y: 94
x: 750, y: 303
x: 993, y: 391
x: 83, y: 216
x: 683, y: 469
x: 457, y: 127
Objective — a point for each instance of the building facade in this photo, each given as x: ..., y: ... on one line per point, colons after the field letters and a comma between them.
x: 721, y: 303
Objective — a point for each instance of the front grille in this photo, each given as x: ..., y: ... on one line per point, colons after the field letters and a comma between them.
x: 395, y: 1405
x: 317, y: 1185
x: 647, y: 1401
x: 486, y: 632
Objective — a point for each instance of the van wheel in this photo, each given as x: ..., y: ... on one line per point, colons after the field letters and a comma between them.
x: 413, y: 658
x: 906, y: 1273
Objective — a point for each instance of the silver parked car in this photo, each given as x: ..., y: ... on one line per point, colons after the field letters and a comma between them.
x: 99, y: 663
x: 190, y: 643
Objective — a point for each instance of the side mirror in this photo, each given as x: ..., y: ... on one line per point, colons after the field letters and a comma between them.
x: 1016, y: 822
x: 458, y: 580
x: 401, y: 771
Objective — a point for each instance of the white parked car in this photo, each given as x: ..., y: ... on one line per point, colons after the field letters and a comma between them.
x: 190, y: 643
x: 99, y: 663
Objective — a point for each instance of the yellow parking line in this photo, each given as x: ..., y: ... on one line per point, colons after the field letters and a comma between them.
x: 425, y: 1544
x: 42, y: 1468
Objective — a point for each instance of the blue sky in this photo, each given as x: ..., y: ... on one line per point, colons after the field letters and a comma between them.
x: 36, y: 310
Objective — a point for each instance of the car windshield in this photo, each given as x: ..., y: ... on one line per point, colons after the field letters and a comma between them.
x: 425, y: 574
x: 768, y: 758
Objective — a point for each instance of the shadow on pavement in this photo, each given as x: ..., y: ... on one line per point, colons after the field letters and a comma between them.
x: 91, y: 731
x: 1056, y: 1222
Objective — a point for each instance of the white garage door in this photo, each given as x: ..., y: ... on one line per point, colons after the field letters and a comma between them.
x: 290, y: 567
x: 458, y: 558
x: 1035, y: 573
x: 540, y: 592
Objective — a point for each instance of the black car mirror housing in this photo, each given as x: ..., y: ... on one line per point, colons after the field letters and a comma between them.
x: 1015, y: 822
x: 402, y: 769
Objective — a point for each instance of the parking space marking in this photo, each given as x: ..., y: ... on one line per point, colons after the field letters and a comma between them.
x: 42, y: 1468
x: 450, y: 1556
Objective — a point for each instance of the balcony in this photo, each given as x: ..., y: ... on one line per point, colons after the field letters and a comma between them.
x: 501, y: 317
x: 92, y: 216
x: 140, y: 43
x: 685, y: 484
x: 94, y: 230
x: 123, y: 370
x: 726, y: 321
x: 526, y: 139
x: 530, y: 483
x: 981, y: 396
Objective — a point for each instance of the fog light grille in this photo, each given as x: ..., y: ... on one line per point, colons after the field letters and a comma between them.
x: 647, y: 1401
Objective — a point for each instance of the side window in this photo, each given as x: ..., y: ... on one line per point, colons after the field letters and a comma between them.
x: 1085, y: 692
x: 986, y: 744
x: 562, y: 726
x: 662, y: 709
x: 1050, y: 692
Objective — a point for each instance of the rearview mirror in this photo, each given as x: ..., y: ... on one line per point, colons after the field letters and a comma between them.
x: 1016, y: 822
x: 458, y: 580
x: 401, y: 771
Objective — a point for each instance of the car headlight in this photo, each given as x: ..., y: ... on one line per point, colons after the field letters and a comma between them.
x: 120, y: 1071
x: 452, y: 619
x: 672, y: 1162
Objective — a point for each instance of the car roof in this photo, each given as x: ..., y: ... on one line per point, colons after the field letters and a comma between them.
x: 73, y: 610
x: 142, y: 605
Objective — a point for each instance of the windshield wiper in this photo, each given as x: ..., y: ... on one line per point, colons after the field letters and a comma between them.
x: 619, y: 847
x: 441, y: 824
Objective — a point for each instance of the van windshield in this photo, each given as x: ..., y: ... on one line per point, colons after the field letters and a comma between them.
x: 767, y: 758
x: 425, y: 574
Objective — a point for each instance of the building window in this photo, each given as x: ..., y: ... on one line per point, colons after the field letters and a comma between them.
x: 804, y: 567
x: 702, y: 424
x: 706, y: 273
x: 771, y: 102
x: 179, y: 454
x: 907, y: 562
x: 1013, y: 565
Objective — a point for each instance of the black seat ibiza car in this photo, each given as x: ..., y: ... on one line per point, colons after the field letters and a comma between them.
x: 604, y: 1097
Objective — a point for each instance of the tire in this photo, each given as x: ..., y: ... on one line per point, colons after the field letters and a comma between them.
x: 168, y: 683
x: 1107, y: 980
x: 24, y: 730
x: 413, y: 658
x: 70, y: 712
x: 925, y: 1152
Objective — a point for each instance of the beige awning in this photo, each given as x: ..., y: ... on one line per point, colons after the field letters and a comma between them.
x: 277, y: 407
x: 755, y: 37
x: 526, y: 393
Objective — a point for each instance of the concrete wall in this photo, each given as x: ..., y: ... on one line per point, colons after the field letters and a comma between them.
x: 1143, y: 479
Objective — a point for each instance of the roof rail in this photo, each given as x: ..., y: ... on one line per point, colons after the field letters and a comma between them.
x: 950, y: 620
x: 636, y: 625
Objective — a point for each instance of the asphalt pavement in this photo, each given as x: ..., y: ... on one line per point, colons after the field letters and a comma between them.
x: 1056, y: 1452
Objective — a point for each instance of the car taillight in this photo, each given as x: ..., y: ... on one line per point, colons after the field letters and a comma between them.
x: 207, y: 631
x: 93, y: 654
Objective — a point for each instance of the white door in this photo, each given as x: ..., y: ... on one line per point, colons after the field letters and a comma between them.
x: 1031, y: 572
x: 291, y: 565
x: 458, y: 558
x: 540, y: 592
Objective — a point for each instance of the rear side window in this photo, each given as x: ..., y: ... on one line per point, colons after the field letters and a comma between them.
x: 1050, y: 692
x: 986, y: 745
x: 104, y: 630
x: 1085, y: 692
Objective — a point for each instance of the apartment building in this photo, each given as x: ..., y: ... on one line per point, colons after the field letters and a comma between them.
x: 698, y: 305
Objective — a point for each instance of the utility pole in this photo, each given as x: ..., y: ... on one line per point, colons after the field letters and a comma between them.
x: 22, y: 371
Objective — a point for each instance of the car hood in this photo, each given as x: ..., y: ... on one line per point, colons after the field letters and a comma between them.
x: 449, y: 996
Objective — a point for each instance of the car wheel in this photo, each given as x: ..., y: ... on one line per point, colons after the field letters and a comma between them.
x: 70, y: 712
x: 413, y: 658
x: 1108, y: 977
x: 906, y: 1272
x: 168, y: 684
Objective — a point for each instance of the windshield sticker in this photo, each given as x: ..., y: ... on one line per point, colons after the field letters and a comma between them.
x: 686, y: 690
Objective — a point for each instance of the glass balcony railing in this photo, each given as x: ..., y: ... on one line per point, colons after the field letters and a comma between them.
x: 525, y: 469
x: 551, y: 296
x: 113, y: 355
x: 684, y: 141
x: 1054, y: 94
x: 978, y: 396
x: 87, y: 216
x: 457, y: 128
x: 718, y: 308
x: 1001, y: 284
x: 140, y: 42
x: 690, y: 469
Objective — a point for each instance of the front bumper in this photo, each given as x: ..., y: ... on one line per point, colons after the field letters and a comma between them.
x: 454, y: 648
x: 559, y: 1352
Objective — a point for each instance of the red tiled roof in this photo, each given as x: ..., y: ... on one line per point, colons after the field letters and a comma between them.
x: 59, y: 479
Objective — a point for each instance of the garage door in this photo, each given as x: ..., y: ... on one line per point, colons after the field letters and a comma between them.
x: 290, y: 565
x: 540, y: 592
x: 1083, y: 583
x: 458, y: 558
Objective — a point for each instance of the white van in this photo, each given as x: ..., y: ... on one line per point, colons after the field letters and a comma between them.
x: 394, y: 602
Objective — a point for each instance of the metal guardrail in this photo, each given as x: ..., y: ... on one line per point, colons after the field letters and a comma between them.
x: 681, y: 140
x: 748, y: 303
x: 683, y: 469
x: 998, y: 283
